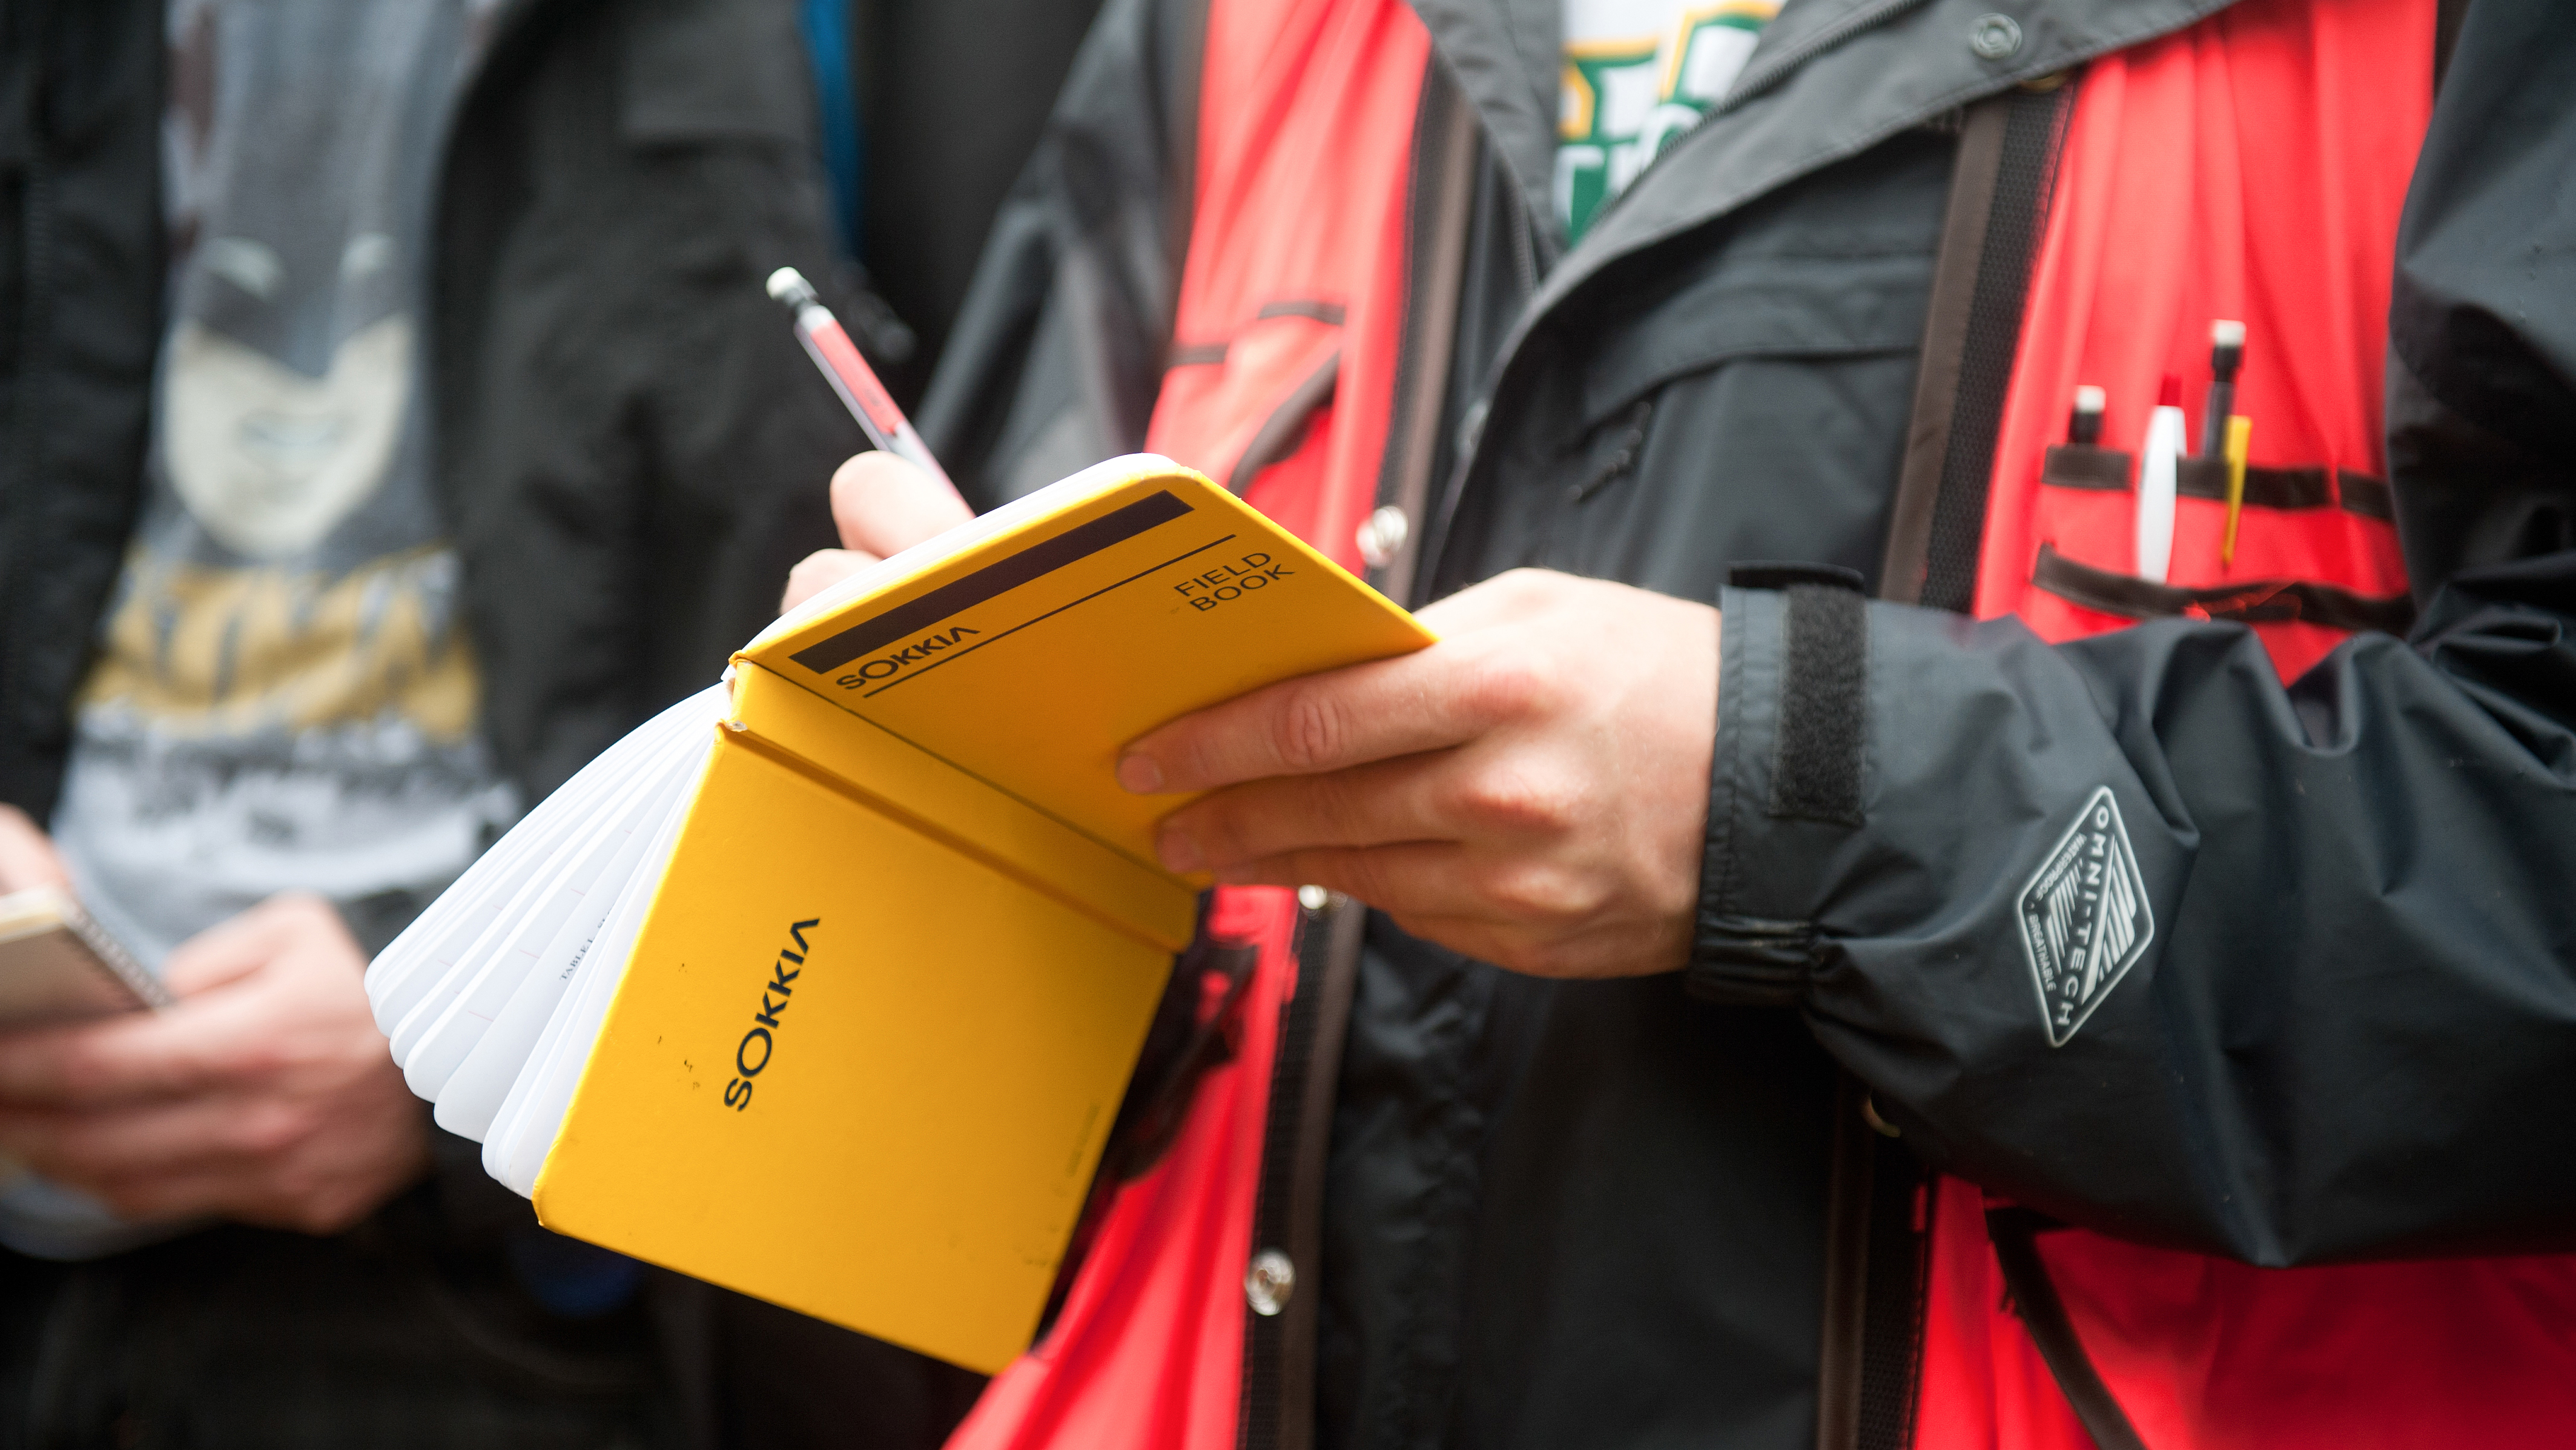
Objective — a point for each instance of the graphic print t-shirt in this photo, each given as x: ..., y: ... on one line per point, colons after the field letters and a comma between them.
x: 283, y: 695
x: 1639, y: 73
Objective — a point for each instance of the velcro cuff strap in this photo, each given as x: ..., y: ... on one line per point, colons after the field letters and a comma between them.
x: 1792, y: 705
x: 1824, y: 706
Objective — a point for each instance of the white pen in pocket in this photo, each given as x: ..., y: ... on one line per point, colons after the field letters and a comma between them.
x: 2156, y: 463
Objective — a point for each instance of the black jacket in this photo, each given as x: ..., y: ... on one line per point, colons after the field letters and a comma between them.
x: 629, y: 453
x: 1630, y: 1212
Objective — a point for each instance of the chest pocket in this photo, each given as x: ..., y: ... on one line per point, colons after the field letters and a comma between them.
x: 1750, y: 406
x: 2150, y: 248
x: 2308, y: 555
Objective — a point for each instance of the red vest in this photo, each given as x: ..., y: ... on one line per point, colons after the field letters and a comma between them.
x: 1294, y: 282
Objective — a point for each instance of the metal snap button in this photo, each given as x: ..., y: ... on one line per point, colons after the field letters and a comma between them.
x: 1314, y: 898
x: 1269, y: 1282
x: 1995, y: 37
x: 1382, y: 534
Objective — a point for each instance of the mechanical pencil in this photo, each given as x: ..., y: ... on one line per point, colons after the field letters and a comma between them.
x: 833, y: 352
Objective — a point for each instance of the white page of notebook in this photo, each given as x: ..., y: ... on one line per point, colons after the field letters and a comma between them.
x: 473, y: 1093
x: 477, y: 885
x: 416, y: 960
x: 526, y: 890
x: 524, y: 1130
x: 490, y: 976
x: 440, y: 955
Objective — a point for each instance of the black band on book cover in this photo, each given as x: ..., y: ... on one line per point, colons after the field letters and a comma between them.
x: 999, y: 577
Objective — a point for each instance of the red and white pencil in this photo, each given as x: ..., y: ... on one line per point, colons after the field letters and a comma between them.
x: 832, y: 351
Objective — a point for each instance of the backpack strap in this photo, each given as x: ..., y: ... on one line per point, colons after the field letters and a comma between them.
x: 2015, y: 1235
x: 1876, y: 1238
x: 1999, y: 195
x: 1878, y: 1203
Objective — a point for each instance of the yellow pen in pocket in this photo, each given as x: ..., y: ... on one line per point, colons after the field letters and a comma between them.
x: 2240, y: 434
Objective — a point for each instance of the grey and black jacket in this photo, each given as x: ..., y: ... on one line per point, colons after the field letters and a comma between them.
x: 1669, y: 1210
x: 630, y: 454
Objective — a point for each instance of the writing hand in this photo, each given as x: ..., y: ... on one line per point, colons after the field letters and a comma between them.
x: 882, y: 505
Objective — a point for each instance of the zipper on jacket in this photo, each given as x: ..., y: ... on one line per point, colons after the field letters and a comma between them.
x: 1525, y: 251
x: 1282, y: 1293
x: 1440, y: 206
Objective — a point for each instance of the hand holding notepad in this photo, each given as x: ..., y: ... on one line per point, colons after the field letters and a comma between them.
x: 1532, y: 793
x: 825, y: 983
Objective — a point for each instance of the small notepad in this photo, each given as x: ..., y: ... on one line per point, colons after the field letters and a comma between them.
x: 824, y: 984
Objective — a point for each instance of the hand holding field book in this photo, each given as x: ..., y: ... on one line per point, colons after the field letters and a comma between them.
x: 824, y: 984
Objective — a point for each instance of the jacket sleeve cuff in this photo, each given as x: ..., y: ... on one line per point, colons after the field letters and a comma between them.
x: 1785, y: 783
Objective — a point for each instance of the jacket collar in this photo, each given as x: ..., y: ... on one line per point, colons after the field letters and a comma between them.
x: 1829, y: 80
x: 1505, y: 56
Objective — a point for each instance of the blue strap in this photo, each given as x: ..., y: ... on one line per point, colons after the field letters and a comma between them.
x: 826, y: 24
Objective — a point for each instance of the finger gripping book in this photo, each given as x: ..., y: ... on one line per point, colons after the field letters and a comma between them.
x: 824, y: 984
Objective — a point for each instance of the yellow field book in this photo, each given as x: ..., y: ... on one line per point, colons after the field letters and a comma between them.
x: 825, y: 984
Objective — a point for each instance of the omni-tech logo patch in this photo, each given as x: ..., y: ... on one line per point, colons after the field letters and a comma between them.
x: 2084, y: 917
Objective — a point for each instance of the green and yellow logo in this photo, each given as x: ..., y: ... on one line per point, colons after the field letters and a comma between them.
x: 1623, y: 100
